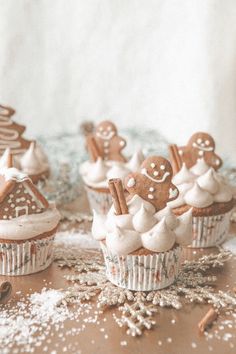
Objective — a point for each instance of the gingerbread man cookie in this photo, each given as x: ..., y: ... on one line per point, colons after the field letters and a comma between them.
x: 200, y: 145
x: 109, y: 143
x: 153, y: 183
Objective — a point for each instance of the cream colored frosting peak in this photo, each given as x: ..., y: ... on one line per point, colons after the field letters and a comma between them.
x: 197, y: 197
x: 34, y: 161
x: 200, y: 167
x: 141, y: 228
x: 160, y: 238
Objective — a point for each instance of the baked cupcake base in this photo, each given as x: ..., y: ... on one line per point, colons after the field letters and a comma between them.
x: 210, y: 225
x: 99, y: 199
x: 28, y: 256
x: 142, y: 272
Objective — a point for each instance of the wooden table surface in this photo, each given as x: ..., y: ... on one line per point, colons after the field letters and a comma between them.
x: 176, y: 331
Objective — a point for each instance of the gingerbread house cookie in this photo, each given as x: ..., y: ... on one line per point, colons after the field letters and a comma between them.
x: 18, y: 195
x: 200, y: 146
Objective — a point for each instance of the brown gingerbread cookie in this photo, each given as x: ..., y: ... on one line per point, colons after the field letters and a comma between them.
x: 11, y: 133
x: 200, y: 146
x: 153, y: 183
x: 109, y: 143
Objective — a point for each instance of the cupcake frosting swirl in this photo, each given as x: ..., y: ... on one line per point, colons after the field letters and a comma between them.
x: 200, y: 190
x: 96, y: 174
x: 141, y: 227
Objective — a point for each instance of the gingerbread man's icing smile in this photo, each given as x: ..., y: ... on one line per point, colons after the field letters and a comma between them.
x: 155, y: 173
x: 202, y: 145
x: 106, y: 133
x: 153, y: 182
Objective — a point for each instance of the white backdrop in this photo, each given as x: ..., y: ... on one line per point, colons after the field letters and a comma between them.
x: 170, y: 65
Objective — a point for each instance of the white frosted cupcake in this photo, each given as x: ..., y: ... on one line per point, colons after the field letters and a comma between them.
x: 203, y: 189
x: 141, y: 242
x: 210, y: 197
x: 106, y: 162
x: 28, y: 224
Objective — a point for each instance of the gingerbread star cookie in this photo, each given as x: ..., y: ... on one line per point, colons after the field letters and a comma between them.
x: 200, y: 145
x: 109, y: 143
x: 153, y: 183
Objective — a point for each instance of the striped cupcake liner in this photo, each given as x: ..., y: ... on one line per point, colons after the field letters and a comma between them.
x: 210, y: 231
x: 99, y: 201
x: 27, y: 257
x: 142, y: 273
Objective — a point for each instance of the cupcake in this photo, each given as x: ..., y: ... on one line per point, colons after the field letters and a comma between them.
x: 27, y: 225
x: 28, y: 156
x: 106, y: 162
x: 140, y: 237
x: 203, y: 189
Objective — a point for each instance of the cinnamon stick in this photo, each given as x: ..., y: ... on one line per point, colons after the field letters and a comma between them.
x: 93, y: 148
x: 9, y: 160
x: 5, y: 291
x: 175, y: 158
x: 208, y: 319
x: 118, y: 196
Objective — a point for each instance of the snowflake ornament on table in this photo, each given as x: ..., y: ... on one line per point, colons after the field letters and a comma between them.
x: 138, y: 308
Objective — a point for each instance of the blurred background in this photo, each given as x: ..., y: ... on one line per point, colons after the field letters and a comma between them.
x: 164, y: 65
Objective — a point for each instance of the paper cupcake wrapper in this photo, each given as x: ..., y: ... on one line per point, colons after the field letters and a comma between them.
x: 27, y: 257
x: 142, y: 273
x: 209, y: 231
x: 100, y: 202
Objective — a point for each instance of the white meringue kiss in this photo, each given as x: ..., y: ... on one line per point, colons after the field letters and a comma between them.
x: 208, y: 182
x: 135, y: 161
x: 171, y: 219
x: 200, y: 167
x: 143, y: 220
x: 177, y: 202
x: 97, y: 171
x: 160, y: 238
x: 117, y: 171
x: 197, y: 197
x: 135, y: 203
x: 183, y: 176
x: 123, y: 242
x: 98, y: 226
x: 224, y: 194
x: 183, y: 231
x: 122, y: 221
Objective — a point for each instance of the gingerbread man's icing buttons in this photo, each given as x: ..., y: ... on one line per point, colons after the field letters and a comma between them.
x: 200, y: 145
x: 110, y: 144
x: 153, y: 183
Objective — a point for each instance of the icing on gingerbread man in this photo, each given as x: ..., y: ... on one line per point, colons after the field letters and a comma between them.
x: 153, y: 183
x: 200, y: 145
x: 110, y: 144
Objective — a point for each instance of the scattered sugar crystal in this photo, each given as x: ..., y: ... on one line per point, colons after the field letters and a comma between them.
x: 123, y: 343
